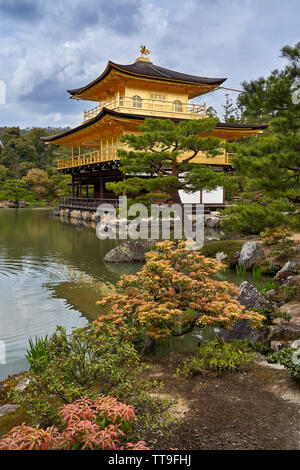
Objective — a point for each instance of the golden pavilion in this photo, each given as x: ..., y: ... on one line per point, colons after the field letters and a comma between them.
x: 124, y: 96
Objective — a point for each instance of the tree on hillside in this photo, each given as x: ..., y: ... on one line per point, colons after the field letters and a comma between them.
x: 40, y: 184
x: 45, y: 152
x: 231, y: 111
x: 23, y: 155
x: 164, y: 154
x: 16, y: 190
x: 18, y: 156
x: 270, y: 163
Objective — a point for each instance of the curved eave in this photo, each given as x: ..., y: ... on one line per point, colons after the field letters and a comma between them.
x: 226, y: 131
x: 185, y: 78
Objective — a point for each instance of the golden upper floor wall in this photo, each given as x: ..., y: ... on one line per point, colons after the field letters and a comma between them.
x: 151, y: 101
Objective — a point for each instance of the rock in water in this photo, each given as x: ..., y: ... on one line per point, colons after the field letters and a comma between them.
x: 251, y: 253
x: 131, y: 251
x: 289, y: 269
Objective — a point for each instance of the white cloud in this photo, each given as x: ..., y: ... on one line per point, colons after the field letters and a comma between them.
x: 68, y: 44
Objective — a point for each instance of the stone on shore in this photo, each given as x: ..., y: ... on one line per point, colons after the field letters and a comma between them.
x: 131, y: 251
x: 289, y: 269
x: 5, y: 409
x: 23, y: 384
x: 221, y: 256
x: 284, y: 332
x: 212, y: 221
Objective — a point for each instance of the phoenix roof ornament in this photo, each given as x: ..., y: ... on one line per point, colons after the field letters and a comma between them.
x: 144, y: 51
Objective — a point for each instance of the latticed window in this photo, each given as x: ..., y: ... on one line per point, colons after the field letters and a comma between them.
x: 137, y: 101
x: 121, y: 101
x: 177, y: 106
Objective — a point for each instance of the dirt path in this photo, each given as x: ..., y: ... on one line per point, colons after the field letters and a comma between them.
x: 255, y: 409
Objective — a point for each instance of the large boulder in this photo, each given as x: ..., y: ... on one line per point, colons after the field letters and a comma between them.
x: 284, y: 332
x: 131, y: 251
x: 293, y: 309
x: 289, y: 269
x: 240, y: 330
x: 212, y: 222
x: 251, y: 254
x: 250, y: 297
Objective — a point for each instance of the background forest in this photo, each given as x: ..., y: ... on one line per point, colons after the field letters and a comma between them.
x: 27, y: 166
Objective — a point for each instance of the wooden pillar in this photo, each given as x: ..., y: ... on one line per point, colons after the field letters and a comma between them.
x: 87, y: 190
x: 73, y: 188
x: 80, y: 187
x: 101, y: 187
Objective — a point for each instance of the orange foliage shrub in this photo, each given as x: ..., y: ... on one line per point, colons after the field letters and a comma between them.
x: 175, y: 291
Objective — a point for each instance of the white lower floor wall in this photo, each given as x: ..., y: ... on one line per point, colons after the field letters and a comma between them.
x: 213, y: 197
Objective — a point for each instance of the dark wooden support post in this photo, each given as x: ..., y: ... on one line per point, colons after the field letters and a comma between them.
x: 80, y: 187
x: 73, y: 188
x: 101, y: 187
x: 87, y: 190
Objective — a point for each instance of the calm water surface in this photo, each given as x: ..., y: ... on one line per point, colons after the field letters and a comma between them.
x: 52, y: 273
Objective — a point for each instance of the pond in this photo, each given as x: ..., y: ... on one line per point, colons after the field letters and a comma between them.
x: 52, y: 273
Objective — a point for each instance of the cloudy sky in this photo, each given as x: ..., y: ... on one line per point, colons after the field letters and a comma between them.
x: 48, y: 46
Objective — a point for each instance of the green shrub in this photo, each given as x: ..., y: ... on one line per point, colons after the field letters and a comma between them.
x: 216, y: 356
x: 259, y: 346
x: 230, y: 247
x: 289, y: 358
x: 286, y: 294
x: 266, y: 285
x: 82, y: 363
x: 271, y: 314
x: 37, y: 354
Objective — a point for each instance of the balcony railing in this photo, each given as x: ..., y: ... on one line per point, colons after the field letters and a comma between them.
x: 99, y: 156
x: 85, y: 203
x: 150, y: 106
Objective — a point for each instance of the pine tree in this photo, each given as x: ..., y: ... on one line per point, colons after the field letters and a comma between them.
x: 270, y: 162
x: 161, y: 161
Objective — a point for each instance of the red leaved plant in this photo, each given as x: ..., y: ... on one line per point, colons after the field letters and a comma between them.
x: 87, y: 424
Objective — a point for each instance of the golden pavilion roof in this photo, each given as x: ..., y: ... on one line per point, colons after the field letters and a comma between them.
x: 144, y: 69
x: 226, y: 131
